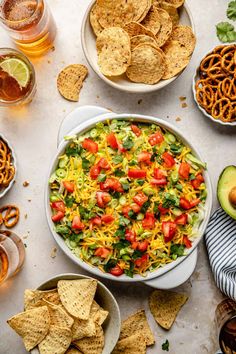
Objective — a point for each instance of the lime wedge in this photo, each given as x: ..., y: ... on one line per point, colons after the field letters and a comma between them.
x: 17, y: 69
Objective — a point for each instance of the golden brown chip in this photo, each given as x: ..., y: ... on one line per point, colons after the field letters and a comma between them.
x: 166, y: 27
x: 176, y: 3
x: 152, y: 20
x: 141, y: 39
x: 70, y: 81
x: 135, y: 29
x: 149, y: 4
x: 134, y: 344
x: 73, y: 350
x: 185, y: 36
x: 147, y: 65
x: 92, y: 345
x: 176, y: 59
x: 34, y: 298
x: 83, y: 328
x: 137, y: 323
x: 97, y: 313
x: 57, y: 341
x: 172, y: 11
x: 114, y: 55
x: 32, y: 325
x: 58, y: 316
x: 77, y: 296
x: 165, y: 306
x: 94, y: 16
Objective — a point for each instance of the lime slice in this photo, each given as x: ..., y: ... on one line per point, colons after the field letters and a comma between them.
x: 17, y: 69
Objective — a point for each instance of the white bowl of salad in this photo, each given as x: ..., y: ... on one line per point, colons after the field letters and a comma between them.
x: 128, y: 197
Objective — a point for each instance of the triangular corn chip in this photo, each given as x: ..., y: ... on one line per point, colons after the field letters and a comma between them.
x: 135, y: 344
x: 57, y: 341
x: 33, y: 298
x: 32, y: 325
x: 92, y: 345
x: 97, y: 313
x: 83, y: 328
x: 58, y: 316
x: 73, y: 350
x: 165, y: 306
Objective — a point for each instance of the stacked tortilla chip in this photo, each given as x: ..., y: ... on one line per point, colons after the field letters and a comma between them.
x: 63, y: 320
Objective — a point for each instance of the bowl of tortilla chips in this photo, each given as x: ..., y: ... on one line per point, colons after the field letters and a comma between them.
x: 138, y: 45
x: 68, y: 314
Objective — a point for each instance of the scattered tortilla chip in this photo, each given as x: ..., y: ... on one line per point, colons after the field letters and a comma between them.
x: 70, y: 81
x: 83, y: 328
x: 166, y: 27
x: 135, y: 344
x: 92, y: 345
x: 142, y: 39
x: 57, y: 341
x: 73, y: 351
x: 34, y: 298
x: 32, y: 325
x: 147, y: 65
x: 58, y: 316
x: 77, y: 296
x: 172, y: 11
x: 135, y: 29
x: 114, y: 55
x: 176, y: 59
x: 151, y: 21
x: 149, y: 4
x: 97, y: 313
x: 176, y: 3
x: 137, y: 323
x: 94, y: 16
x: 185, y: 36
x: 165, y: 306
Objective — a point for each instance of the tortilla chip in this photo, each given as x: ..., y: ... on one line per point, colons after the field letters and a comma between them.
x: 57, y: 341
x: 73, y: 350
x: 149, y: 4
x: 135, y: 344
x: 114, y: 55
x: 93, y: 17
x: 70, y: 81
x: 176, y: 59
x: 166, y: 27
x: 176, y: 3
x: 92, y: 345
x: 83, y: 328
x: 165, y: 306
x: 34, y: 298
x: 135, y: 29
x: 185, y: 36
x: 98, y: 314
x: 147, y: 65
x: 137, y: 323
x: 32, y: 325
x: 77, y: 296
x: 152, y: 20
x: 142, y: 39
x: 172, y: 11
x: 58, y: 316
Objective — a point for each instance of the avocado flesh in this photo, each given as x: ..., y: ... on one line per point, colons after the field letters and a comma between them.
x: 226, y: 182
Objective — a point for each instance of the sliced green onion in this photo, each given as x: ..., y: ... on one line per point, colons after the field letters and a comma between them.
x: 61, y: 173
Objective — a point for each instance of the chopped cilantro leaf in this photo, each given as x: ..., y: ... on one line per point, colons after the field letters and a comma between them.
x: 102, y: 177
x: 128, y: 143
x: 132, y: 214
x: 225, y: 32
x: 120, y: 233
x: 121, y: 244
x: 130, y: 272
x: 117, y: 159
x: 137, y: 254
x: 109, y: 265
x: 140, y: 182
x: 123, y: 221
x: 170, y: 200
x: 231, y: 11
x: 177, y: 250
x: 69, y: 201
x: 165, y: 346
x: 85, y: 163
x: 73, y: 149
x: 119, y: 173
x: 133, y: 163
x: 145, y: 207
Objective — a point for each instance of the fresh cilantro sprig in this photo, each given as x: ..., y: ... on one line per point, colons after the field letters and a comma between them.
x: 231, y: 11
x: 226, y: 32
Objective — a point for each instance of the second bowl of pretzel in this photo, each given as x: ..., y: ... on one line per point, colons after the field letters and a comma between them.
x: 7, y: 166
x: 214, y: 85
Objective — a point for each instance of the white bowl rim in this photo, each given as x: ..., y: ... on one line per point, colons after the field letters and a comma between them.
x: 5, y: 190
x: 135, y: 87
x: 95, y: 270
x: 195, y: 78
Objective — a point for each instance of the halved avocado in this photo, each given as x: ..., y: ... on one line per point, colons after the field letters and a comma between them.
x: 226, y: 190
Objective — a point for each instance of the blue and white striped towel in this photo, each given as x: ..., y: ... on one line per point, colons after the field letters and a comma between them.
x: 221, y: 246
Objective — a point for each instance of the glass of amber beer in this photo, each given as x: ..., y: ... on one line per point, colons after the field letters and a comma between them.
x: 30, y: 24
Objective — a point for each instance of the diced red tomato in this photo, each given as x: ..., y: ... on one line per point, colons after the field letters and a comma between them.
x: 158, y: 182
x: 121, y: 147
x: 197, y: 181
x: 145, y: 157
x: 169, y: 161
x: 184, y: 204
x: 136, y: 130
x: 58, y: 216
x: 102, y: 199
x: 181, y: 219
x: 135, y: 207
x: 60, y: 206
x: 107, y: 219
x: 159, y: 174
x: 169, y: 229
x: 96, y: 221
x: 102, y: 252
x: 136, y: 173
x: 149, y: 221
x: 134, y: 245
x: 76, y: 223
x: 187, y: 242
x: 90, y: 145
x: 125, y: 210
x: 140, y: 198
x: 195, y: 202
x: 184, y: 170
x: 103, y: 164
x: 141, y: 261
x: 156, y: 138
x: 112, y: 141
x: 143, y: 245
x: 94, y: 171
x: 113, y: 184
x: 130, y: 236
x: 116, y: 271
x: 69, y: 186
x: 162, y: 210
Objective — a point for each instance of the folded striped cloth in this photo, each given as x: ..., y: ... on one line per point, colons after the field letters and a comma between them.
x: 220, y: 239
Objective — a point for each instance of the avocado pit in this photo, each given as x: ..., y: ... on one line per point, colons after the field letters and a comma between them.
x: 232, y: 197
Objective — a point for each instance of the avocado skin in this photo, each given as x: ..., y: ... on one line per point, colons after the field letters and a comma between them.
x: 226, y: 182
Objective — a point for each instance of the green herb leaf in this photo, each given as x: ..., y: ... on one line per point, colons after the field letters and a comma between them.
x: 125, y: 186
x: 119, y: 173
x: 123, y: 221
x: 102, y: 177
x: 177, y: 250
x: 133, y: 163
x: 85, y: 164
x: 165, y: 346
x: 137, y: 254
x: 76, y: 237
x: 69, y: 201
x: 145, y: 207
x: 120, y: 233
x: 170, y: 200
x: 132, y: 215
x: 73, y: 149
x: 140, y: 182
x: 109, y: 265
x: 176, y: 149
x: 130, y: 272
x: 128, y: 143
x: 225, y: 32
x: 62, y: 229
x: 117, y: 159
x: 121, y: 244
x: 231, y: 11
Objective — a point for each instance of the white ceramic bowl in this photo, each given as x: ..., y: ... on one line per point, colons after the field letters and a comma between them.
x: 195, y: 79
x: 5, y: 190
x: 122, y: 83
x: 80, y: 129
x: 105, y: 299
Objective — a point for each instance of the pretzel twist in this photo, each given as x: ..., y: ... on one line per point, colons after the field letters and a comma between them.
x: 9, y: 215
x: 7, y: 170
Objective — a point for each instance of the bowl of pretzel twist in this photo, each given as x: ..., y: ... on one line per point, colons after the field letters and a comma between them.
x: 7, y: 166
x: 214, y: 85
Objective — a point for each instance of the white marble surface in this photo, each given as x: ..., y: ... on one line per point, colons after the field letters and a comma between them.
x: 33, y: 132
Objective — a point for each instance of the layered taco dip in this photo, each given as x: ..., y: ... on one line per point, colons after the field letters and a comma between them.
x: 127, y: 197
